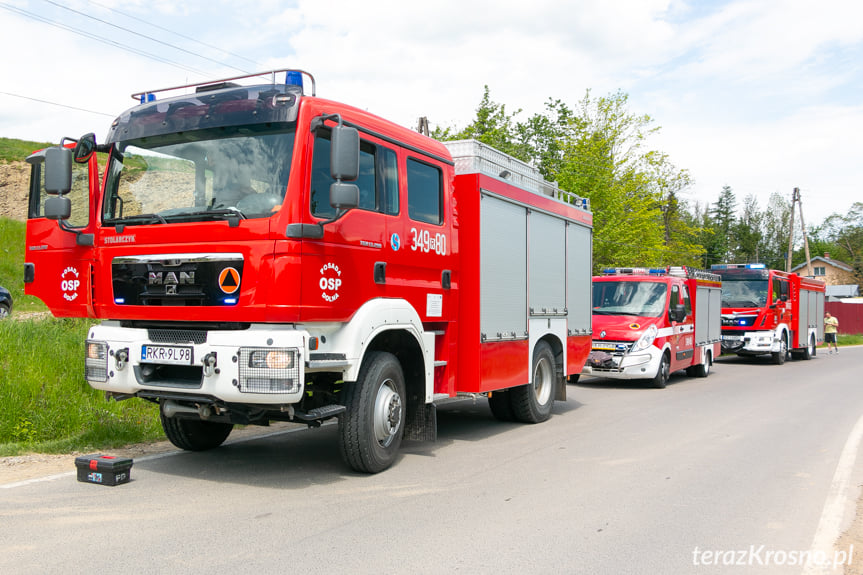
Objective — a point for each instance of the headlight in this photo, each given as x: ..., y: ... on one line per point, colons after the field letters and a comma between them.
x: 269, y: 370
x: 271, y: 359
x: 96, y: 361
x: 646, y: 339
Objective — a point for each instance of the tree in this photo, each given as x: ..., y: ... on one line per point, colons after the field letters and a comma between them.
x: 724, y: 219
x: 777, y: 227
x: 748, y: 233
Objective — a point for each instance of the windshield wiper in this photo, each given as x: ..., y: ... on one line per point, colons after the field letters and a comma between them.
x: 137, y: 219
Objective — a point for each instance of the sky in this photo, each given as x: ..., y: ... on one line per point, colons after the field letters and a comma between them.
x: 759, y: 95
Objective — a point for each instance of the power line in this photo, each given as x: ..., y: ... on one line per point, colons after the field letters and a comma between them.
x: 130, y: 31
x: 55, y: 104
x: 130, y: 16
x: 50, y: 22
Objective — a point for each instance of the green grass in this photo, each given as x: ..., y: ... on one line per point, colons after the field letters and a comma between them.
x: 12, y: 266
x: 12, y: 150
x: 849, y: 339
x: 46, y: 405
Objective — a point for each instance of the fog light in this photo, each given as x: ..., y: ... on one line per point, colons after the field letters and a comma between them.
x: 271, y: 359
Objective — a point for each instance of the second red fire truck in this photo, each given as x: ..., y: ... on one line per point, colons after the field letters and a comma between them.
x: 257, y: 253
x: 649, y: 323
x: 770, y: 312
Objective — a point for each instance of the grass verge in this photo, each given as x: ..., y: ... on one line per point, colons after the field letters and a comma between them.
x: 46, y: 406
x: 12, y: 235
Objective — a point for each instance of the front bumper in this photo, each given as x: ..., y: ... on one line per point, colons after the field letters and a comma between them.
x: 750, y: 342
x: 643, y: 364
x: 228, y: 365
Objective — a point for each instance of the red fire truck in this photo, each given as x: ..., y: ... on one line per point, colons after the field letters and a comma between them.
x: 259, y: 254
x: 649, y: 323
x: 768, y: 311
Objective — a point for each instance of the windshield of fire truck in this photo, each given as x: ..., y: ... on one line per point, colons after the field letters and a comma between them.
x: 199, y: 175
x: 744, y: 293
x: 640, y: 298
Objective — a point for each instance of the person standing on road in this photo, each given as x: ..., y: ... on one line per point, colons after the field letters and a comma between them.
x: 831, y: 329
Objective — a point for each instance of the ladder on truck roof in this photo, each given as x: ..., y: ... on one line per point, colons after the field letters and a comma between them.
x: 472, y: 157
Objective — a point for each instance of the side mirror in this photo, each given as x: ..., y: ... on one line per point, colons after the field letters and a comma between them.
x: 345, y: 153
x: 58, y: 170
x: 58, y: 208
x: 85, y: 148
x: 344, y: 196
x: 678, y: 312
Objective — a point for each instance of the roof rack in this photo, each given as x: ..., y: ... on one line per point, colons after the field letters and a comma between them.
x: 140, y: 96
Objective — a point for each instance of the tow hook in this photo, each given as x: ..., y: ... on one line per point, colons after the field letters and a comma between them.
x: 209, y: 362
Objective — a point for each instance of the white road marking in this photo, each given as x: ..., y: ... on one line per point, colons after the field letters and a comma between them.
x: 839, y: 496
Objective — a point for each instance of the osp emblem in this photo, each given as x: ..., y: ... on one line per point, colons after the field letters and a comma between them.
x: 330, y: 282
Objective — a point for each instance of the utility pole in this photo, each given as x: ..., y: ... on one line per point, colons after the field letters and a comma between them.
x: 795, y: 199
x: 423, y: 126
x: 791, y: 234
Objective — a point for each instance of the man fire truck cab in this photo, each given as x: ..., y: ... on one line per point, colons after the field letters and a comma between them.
x: 649, y: 323
x: 258, y: 254
x: 771, y: 312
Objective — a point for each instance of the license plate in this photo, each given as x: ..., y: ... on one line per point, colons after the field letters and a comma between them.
x: 732, y: 337
x: 170, y: 354
x: 604, y: 346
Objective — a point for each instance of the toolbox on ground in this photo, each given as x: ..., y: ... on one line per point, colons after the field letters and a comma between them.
x: 103, y: 469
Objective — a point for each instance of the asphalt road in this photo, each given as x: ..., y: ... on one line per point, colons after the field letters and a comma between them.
x: 622, y: 479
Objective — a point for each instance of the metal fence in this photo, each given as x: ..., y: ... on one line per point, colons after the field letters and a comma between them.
x: 850, y: 316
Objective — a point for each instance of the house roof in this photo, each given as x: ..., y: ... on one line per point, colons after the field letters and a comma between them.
x: 843, y: 291
x: 828, y: 261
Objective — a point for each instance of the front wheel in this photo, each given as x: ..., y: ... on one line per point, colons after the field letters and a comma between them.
x: 371, y: 429
x: 779, y: 356
x: 195, y: 434
x: 660, y: 380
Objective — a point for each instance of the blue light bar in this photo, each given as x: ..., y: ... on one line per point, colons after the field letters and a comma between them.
x: 294, y: 78
x: 756, y: 266
x: 145, y: 98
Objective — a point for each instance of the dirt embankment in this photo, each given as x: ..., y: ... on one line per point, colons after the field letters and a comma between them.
x: 14, y: 179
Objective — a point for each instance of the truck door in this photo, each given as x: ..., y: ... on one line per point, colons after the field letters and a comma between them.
x: 349, y: 267
x: 56, y: 269
x: 683, y: 338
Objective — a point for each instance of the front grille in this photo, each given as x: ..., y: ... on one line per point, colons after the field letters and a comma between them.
x: 177, y: 336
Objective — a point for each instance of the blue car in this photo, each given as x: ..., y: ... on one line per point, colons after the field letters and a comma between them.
x: 5, y: 302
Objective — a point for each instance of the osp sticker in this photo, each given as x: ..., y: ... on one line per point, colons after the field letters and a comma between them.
x: 395, y: 242
x: 330, y: 282
x: 70, y: 283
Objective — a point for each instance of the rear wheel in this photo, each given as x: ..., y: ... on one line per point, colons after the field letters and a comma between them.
x: 810, y: 349
x: 4, y: 310
x: 661, y: 379
x: 532, y: 403
x: 195, y: 434
x: 703, y: 369
x: 371, y: 430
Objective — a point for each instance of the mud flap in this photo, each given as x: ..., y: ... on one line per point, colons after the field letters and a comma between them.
x: 421, y: 423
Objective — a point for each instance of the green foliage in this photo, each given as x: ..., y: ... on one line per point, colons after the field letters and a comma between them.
x: 45, y: 404
x: 12, y: 266
x: 12, y: 150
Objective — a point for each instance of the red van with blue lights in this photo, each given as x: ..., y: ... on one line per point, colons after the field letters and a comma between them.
x: 649, y: 323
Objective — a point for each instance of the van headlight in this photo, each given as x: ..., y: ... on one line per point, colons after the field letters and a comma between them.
x: 646, y: 339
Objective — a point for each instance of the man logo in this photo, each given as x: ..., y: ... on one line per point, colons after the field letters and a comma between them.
x: 229, y: 280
